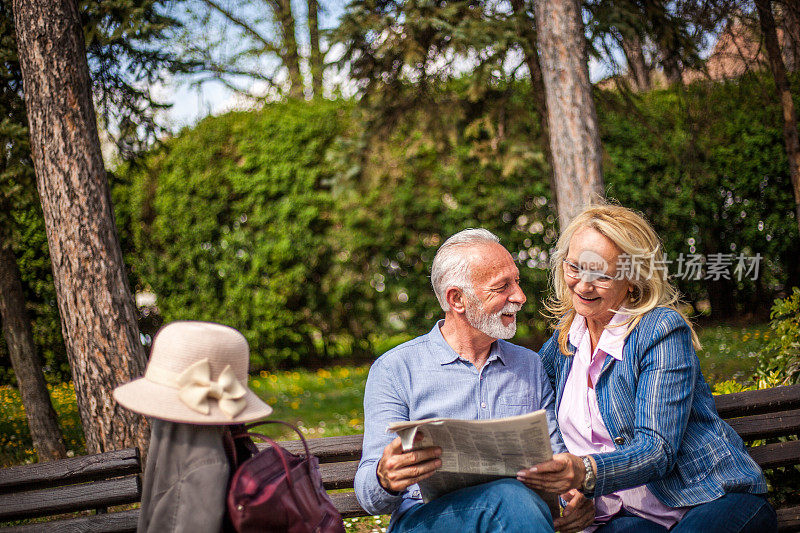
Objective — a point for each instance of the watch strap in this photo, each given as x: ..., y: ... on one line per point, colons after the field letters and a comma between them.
x: 589, y: 479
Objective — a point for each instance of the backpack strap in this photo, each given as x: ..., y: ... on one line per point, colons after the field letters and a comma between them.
x: 239, y: 447
x: 248, y: 427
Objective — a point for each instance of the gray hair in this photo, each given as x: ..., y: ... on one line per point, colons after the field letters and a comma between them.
x: 451, y: 266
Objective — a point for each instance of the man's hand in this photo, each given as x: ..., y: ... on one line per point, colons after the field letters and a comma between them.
x: 578, y: 513
x: 398, y: 469
x: 560, y: 474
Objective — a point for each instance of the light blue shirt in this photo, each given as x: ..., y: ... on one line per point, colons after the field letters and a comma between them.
x: 426, y: 378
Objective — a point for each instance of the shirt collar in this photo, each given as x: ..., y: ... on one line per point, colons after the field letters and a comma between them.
x: 445, y: 353
x: 612, y: 340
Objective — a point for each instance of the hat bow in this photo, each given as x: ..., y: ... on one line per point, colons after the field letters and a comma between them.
x: 196, y: 388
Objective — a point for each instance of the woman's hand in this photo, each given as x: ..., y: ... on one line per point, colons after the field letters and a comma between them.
x: 558, y: 475
x: 577, y: 515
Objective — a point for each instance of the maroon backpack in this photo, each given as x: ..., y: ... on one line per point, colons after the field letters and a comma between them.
x: 275, y: 490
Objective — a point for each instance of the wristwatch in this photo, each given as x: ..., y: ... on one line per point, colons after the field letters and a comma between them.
x: 589, y: 480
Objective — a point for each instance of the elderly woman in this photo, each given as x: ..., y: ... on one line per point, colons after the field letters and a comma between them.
x: 638, y: 419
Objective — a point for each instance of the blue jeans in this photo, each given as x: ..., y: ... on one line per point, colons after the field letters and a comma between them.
x: 505, y: 505
x: 735, y: 512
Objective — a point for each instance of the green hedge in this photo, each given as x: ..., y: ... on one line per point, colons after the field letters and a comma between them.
x: 279, y: 223
x: 707, y: 165
x: 315, y: 238
x: 230, y: 222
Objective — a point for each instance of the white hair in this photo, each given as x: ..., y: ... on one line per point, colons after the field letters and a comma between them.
x: 451, y: 267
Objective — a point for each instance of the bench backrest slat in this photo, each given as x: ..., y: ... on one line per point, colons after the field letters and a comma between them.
x: 338, y: 475
x: 121, y: 522
x: 70, y: 498
x: 789, y: 519
x: 347, y: 504
x: 767, y: 425
x: 758, y: 401
x: 70, y: 471
x: 777, y: 454
x: 327, y: 449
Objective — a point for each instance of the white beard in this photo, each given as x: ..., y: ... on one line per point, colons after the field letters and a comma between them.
x: 491, y: 325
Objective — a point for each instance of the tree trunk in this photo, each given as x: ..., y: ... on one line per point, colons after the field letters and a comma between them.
x: 721, y: 296
x: 574, y: 133
x: 790, y: 136
x: 791, y: 35
x: 672, y: 70
x: 527, y: 30
x: 291, y: 57
x: 42, y: 419
x: 98, y: 317
x: 315, y: 55
x: 637, y: 66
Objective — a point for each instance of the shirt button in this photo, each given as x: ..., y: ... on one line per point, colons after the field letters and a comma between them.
x: 619, y: 441
x: 483, y: 404
x: 415, y: 494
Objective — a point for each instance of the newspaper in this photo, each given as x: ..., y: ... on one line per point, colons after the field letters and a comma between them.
x: 477, y: 451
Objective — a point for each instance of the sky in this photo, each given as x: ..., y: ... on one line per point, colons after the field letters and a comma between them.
x: 192, y: 103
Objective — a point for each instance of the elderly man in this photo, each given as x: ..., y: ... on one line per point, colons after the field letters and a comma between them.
x: 460, y: 370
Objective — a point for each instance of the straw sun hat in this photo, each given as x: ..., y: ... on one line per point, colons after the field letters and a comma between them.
x: 197, y: 374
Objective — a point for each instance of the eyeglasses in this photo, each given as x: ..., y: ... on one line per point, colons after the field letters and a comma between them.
x: 598, y: 279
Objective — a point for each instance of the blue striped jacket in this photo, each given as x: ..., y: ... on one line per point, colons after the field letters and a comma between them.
x: 659, y: 410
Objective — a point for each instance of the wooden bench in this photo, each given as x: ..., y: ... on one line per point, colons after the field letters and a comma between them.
x: 99, y: 481
x: 70, y: 486
x: 755, y: 415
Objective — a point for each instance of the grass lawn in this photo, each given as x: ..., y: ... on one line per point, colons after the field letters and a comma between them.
x: 731, y: 352
x: 328, y: 402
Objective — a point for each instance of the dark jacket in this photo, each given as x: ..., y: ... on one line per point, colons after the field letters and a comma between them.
x: 185, y: 480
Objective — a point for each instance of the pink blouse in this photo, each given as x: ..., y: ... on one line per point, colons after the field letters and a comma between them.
x: 585, y: 432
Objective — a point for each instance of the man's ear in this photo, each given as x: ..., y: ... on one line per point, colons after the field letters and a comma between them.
x: 455, y: 299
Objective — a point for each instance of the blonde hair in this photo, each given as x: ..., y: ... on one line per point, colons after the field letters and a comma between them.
x: 646, y: 272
